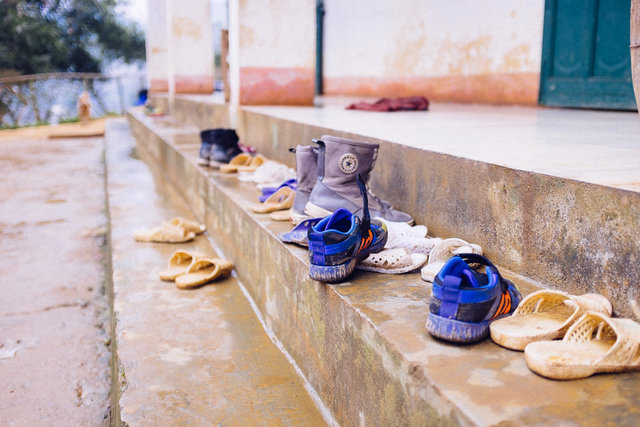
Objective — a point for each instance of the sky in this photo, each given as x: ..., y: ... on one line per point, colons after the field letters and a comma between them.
x: 136, y: 10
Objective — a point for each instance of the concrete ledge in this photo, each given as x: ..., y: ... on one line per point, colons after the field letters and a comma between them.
x: 362, y: 345
x: 563, y: 233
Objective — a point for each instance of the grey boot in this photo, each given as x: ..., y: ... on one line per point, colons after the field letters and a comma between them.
x: 340, y: 161
x: 306, y: 175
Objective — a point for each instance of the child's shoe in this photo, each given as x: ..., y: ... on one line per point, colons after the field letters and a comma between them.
x: 464, y: 301
x: 341, y: 240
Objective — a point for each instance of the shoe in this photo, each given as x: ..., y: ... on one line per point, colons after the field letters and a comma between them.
x: 464, y: 301
x: 224, y: 147
x: 206, y: 139
x: 340, y: 160
x: 306, y: 175
x: 341, y: 240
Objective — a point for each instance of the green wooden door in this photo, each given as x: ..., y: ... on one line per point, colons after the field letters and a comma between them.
x: 585, y: 55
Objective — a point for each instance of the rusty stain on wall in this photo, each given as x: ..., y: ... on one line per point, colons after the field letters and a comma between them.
x: 185, y: 27
x: 504, y: 88
x: 276, y: 86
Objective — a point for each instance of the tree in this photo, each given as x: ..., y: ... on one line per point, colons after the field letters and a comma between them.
x: 39, y: 36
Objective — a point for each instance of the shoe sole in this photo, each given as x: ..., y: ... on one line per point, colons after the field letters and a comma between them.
x: 315, y: 211
x: 297, y: 218
x: 203, y: 162
x: 456, y: 331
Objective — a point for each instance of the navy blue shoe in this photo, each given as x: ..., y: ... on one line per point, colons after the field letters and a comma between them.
x: 464, y: 301
x: 207, y: 137
x: 341, y: 240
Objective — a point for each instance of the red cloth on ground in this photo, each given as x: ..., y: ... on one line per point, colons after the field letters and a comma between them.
x: 410, y: 103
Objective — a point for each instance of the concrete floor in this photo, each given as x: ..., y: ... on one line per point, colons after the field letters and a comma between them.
x: 54, y: 354
x: 599, y: 147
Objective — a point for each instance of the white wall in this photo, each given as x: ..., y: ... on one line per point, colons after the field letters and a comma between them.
x: 432, y: 37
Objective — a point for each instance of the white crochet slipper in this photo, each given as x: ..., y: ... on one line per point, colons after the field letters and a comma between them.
x: 392, y: 261
x: 268, y: 174
x: 595, y: 343
x: 402, y: 235
x: 441, y: 253
x: 402, y: 229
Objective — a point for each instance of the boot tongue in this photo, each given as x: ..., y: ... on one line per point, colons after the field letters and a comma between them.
x: 340, y: 220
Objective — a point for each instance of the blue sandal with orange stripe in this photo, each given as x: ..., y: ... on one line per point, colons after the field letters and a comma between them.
x: 464, y: 301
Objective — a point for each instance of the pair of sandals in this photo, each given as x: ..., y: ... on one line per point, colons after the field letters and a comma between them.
x: 592, y: 341
x: 191, y: 270
x: 176, y: 230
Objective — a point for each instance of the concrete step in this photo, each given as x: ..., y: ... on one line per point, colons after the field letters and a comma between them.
x: 551, y: 195
x: 362, y: 344
x: 199, y: 357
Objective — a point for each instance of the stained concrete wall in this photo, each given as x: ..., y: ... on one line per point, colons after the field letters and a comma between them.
x: 180, y: 44
x: 272, y: 51
x: 458, y: 50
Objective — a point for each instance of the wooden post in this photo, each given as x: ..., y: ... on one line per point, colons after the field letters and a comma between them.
x: 224, y: 63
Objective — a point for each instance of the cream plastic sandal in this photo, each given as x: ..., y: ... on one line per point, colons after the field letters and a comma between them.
x: 165, y: 233
x: 545, y: 315
x: 179, y: 263
x: 188, y: 225
x: 441, y: 253
x: 595, y: 343
x: 392, y: 261
x: 280, y: 200
x: 242, y: 159
x: 203, y: 271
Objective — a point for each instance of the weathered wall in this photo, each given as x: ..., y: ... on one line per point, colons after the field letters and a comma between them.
x: 183, y: 43
x: 272, y: 51
x: 458, y: 50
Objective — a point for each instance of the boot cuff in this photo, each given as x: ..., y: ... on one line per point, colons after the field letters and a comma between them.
x: 329, y: 138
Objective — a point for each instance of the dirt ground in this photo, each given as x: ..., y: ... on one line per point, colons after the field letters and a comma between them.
x: 54, y: 344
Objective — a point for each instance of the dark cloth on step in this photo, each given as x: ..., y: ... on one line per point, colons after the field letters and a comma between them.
x: 410, y: 103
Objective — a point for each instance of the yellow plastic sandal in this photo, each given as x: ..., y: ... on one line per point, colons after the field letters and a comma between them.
x: 188, y: 225
x: 165, y: 233
x: 256, y: 162
x: 278, y: 201
x: 203, y: 271
x: 179, y: 263
x: 242, y: 159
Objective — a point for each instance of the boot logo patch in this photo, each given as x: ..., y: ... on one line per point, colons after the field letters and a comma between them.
x: 348, y: 163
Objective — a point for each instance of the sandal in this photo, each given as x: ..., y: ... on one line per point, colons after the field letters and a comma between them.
x: 595, y: 343
x: 255, y: 162
x: 189, y: 226
x: 179, y: 263
x: 299, y: 233
x: 203, y: 271
x: 278, y: 201
x: 392, y: 261
x: 281, y: 215
x: 545, y: 315
x: 441, y: 253
x: 165, y: 233
x: 268, y: 191
x: 242, y: 159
